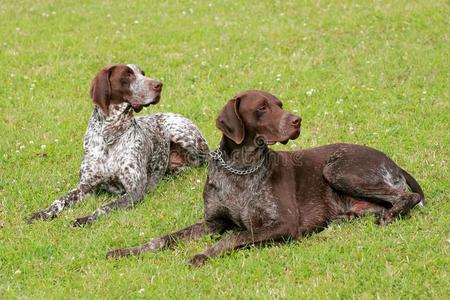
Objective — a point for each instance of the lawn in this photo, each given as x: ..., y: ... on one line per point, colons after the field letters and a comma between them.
x: 366, y: 72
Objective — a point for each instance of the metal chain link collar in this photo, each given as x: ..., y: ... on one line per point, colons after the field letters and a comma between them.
x: 217, y: 155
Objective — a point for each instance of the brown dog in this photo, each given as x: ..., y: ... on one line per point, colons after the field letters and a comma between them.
x: 272, y: 196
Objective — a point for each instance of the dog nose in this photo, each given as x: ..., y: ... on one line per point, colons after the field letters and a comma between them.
x: 156, y: 86
x: 296, y: 121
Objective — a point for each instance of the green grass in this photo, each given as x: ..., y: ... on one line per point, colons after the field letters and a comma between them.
x: 379, y: 71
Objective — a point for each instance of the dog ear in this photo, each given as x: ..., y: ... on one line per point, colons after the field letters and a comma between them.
x: 101, y: 90
x: 230, y: 123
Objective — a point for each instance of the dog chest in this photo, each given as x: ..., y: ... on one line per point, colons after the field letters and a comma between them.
x: 246, y: 199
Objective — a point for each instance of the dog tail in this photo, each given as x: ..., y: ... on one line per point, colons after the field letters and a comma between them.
x: 414, y: 186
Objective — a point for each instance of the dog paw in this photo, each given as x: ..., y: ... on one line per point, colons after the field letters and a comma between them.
x: 81, y: 221
x: 116, y: 253
x: 384, y: 218
x: 198, y: 260
x: 39, y: 215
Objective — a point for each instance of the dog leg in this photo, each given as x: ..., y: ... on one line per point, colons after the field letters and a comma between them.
x: 192, y: 232
x: 135, y: 187
x: 356, y: 208
x: 62, y: 203
x: 377, y: 181
x: 242, y: 239
x: 406, y: 201
x: 126, y: 201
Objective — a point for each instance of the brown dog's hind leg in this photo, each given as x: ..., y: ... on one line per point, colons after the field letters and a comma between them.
x: 371, y: 175
x: 406, y: 201
x: 356, y: 208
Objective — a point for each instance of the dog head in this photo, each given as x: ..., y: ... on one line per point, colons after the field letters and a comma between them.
x: 120, y: 83
x: 257, y: 116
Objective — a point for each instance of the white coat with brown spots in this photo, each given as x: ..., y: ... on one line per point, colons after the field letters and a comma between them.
x: 129, y: 155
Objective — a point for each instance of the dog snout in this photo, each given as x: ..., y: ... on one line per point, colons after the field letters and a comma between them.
x: 296, y: 121
x: 156, y: 85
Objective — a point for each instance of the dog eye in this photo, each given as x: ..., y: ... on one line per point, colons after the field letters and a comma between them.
x: 143, y: 73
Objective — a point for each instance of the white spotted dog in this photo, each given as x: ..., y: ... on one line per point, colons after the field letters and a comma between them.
x: 129, y: 155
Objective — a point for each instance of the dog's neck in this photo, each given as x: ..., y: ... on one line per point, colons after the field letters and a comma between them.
x: 116, y: 123
x: 121, y: 112
x: 244, y: 154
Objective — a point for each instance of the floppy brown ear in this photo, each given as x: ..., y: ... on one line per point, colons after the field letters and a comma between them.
x: 101, y: 90
x: 230, y: 123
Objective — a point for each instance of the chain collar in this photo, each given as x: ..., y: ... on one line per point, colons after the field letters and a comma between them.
x: 217, y: 155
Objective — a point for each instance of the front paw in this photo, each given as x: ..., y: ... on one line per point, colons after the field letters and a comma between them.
x: 39, y: 215
x: 81, y: 221
x: 117, y: 253
x: 198, y: 260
